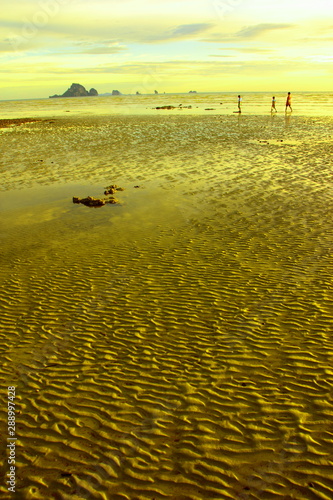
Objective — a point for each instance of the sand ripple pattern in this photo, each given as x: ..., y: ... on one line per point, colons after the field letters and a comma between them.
x: 179, y: 346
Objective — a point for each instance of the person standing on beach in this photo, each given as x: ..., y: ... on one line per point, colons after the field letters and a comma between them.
x: 288, y: 102
x: 239, y: 104
x: 273, y: 108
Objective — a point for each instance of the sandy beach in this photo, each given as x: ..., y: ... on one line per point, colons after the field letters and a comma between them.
x: 178, y: 344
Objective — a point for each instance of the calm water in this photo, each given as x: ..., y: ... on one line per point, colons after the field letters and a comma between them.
x: 254, y: 103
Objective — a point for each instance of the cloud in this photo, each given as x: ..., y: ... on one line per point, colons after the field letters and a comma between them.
x: 239, y: 51
x: 14, y: 44
x: 22, y: 37
x: 128, y: 74
x: 250, y: 50
x: 97, y: 48
x: 188, y: 67
x: 103, y: 50
x: 259, y: 29
x: 5, y: 46
x: 248, y: 32
x: 179, y: 33
x: 55, y: 46
x: 316, y: 39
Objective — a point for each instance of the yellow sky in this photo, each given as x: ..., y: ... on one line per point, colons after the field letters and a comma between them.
x: 171, y: 46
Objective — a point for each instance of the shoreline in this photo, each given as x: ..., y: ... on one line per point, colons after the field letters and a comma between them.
x: 218, y: 104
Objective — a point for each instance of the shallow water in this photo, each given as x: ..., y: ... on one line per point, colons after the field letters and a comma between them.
x: 179, y: 344
x: 213, y: 103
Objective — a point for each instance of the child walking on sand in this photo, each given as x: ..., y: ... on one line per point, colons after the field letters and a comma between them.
x: 273, y: 108
x: 288, y: 102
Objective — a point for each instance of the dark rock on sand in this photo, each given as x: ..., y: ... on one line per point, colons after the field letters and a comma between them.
x: 165, y: 107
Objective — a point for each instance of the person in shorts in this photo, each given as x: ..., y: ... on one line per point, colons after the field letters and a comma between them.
x: 288, y: 102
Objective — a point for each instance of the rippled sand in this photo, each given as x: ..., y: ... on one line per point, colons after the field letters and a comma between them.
x: 177, y: 345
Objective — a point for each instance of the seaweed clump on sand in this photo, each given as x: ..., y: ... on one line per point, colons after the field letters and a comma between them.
x: 165, y: 107
x: 112, y: 189
x: 90, y: 201
x: 10, y: 122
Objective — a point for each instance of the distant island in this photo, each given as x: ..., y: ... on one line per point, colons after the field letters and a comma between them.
x: 192, y: 92
x: 77, y: 90
x: 114, y: 92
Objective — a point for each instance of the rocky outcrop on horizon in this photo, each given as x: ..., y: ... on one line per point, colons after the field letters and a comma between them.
x: 77, y: 90
x: 114, y: 92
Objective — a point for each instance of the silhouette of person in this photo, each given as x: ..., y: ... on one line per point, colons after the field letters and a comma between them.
x: 288, y: 102
x: 239, y: 104
x: 273, y: 104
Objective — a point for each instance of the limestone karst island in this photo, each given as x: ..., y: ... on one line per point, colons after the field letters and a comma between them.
x: 77, y: 90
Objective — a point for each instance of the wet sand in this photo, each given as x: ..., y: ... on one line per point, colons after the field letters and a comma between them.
x: 10, y: 122
x: 177, y: 345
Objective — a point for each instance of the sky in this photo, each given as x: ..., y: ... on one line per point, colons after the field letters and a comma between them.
x: 168, y: 46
